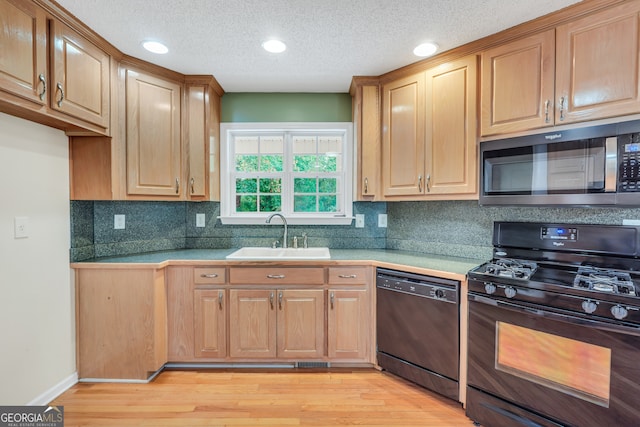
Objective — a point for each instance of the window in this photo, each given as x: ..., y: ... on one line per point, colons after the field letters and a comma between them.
x: 302, y: 170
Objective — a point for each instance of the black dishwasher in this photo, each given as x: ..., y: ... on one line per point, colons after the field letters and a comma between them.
x: 418, y: 329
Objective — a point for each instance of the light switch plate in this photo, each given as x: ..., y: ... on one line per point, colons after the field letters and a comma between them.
x: 359, y: 220
x: 382, y: 220
x: 21, y: 227
x: 118, y: 222
x: 200, y: 220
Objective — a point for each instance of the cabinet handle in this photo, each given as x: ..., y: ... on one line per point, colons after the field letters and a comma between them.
x: 366, y: 185
x: 347, y: 276
x: 332, y: 297
x: 420, y: 183
x: 275, y: 276
x: 220, y: 298
x: 209, y: 276
x: 192, y: 185
x: 177, y: 186
x: 271, y: 300
x: 546, y: 111
x: 562, y: 108
x: 44, y: 86
x: 280, y: 299
x: 427, y: 183
x: 59, y: 87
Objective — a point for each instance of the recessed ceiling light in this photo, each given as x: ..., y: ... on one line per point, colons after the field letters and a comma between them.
x: 425, y: 49
x: 274, y: 46
x: 155, y: 47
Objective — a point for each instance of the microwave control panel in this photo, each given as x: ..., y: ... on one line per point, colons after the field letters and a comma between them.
x: 629, y: 163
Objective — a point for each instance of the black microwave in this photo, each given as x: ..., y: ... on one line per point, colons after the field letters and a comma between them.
x: 589, y: 166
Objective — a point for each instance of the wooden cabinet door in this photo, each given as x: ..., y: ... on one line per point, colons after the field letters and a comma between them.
x: 197, y: 142
x: 252, y: 317
x: 369, y: 142
x: 153, y: 136
x: 180, y: 304
x: 517, y: 87
x: 301, y: 329
x: 451, y: 153
x: 597, y: 65
x: 80, y: 77
x: 348, y: 316
x: 23, y: 58
x: 403, y: 136
x: 210, y: 325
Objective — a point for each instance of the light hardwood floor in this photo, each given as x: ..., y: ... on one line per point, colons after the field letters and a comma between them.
x: 241, y: 398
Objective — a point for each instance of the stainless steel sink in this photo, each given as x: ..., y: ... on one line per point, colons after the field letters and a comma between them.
x: 256, y: 253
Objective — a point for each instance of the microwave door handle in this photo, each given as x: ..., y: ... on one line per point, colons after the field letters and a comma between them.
x: 611, y: 165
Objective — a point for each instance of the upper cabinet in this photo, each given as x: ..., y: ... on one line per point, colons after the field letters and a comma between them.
x: 586, y: 69
x: 80, y: 73
x: 153, y: 135
x: 23, y: 63
x: 53, y: 76
x: 403, y: 145
x: 366, y: 118
x: 429, y: 133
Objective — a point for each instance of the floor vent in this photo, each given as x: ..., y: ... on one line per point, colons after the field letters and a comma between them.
x: 312, y: 365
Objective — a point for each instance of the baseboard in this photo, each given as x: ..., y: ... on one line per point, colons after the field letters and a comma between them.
x: 55, y: 391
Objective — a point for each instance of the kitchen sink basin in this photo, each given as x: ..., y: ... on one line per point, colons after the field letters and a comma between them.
x: 256, y: 253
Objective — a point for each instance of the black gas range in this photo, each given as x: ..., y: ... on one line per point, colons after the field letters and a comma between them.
x: 554, y: 327
x: 587, y: 269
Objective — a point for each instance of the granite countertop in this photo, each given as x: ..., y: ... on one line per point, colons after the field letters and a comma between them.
x: 414, y: 261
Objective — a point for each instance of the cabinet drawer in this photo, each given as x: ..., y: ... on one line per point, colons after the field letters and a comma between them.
x: 347, y: 275
x: 208, y: 275
x: 277, y: 275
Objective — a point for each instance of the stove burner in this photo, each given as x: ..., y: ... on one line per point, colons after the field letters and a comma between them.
x: 511, y: 268
x: 602, y: 280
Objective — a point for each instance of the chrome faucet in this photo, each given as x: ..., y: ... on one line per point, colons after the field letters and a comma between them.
x: 284, y: 221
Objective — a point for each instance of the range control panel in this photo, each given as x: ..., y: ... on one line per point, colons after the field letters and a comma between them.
x: 559, y: 233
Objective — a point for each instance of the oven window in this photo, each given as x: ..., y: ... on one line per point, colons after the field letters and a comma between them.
x: 574, y: 367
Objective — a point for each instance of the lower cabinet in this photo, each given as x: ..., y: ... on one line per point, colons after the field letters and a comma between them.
x: 277, y: 323
x: 210, y: 323
x: 121, y: 323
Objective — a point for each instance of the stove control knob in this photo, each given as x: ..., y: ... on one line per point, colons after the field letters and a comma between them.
x: 589, y: 306
x: 510, y: 292
x: 619, y: 312
x: 440, y: 293
x: 489, y: 288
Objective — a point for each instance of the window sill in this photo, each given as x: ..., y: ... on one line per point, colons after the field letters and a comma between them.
x: 234, y: 220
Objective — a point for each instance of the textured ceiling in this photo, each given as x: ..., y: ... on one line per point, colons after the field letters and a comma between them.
x: 329, y: 41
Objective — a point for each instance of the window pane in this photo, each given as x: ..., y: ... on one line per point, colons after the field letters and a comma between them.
x: 327, y: 204
x: 249, y: 185
x: 272, y: 144
x: 270, y: 203
x: 304, y: 185
x: 304, y: 163
x: 330, y: 144
x: 270, y: 185
x: 246, y: 144
x: 271, y: 163
x: 329, y: 163
x: 304, y: 203
x: 304, y: 144
x: 327, y: 185
x: 246, y: 203
x: 246, y: 163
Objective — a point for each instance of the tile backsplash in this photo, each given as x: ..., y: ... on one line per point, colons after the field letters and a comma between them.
x: 453, y: 228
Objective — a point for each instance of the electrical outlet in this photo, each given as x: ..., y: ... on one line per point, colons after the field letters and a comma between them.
x: 382, y: 220
x: 118, y: 222
x: 21, y: 227
x: 359, y: 220
x: 200, y: 220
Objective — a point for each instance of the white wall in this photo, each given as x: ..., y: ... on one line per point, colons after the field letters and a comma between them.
x: 37, y: 326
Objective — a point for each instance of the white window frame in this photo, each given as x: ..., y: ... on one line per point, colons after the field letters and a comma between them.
x: 227, y: 166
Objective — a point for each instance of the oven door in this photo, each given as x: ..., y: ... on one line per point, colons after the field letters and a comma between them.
x: 572, y: 370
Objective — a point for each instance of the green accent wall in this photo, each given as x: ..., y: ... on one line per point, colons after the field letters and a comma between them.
x: 286, y: 107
